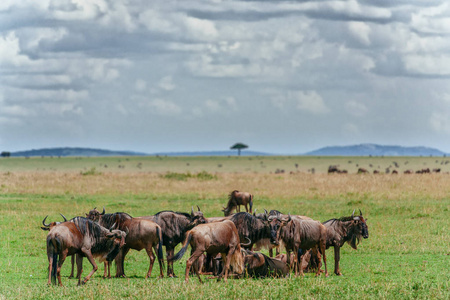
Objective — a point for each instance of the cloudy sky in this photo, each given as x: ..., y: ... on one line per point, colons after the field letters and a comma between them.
x: 280, y: 76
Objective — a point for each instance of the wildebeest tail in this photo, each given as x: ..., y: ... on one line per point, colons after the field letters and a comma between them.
x: 160, y: 244
x: 251, y: 202
x: 183, y: 250
x: 53, y: 246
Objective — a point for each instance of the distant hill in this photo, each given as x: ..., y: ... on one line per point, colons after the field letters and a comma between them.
x: 376, y: 150
x: 74, y: 152
x: 213, y: 153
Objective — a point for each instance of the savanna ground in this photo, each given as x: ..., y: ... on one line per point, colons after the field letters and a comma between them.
x: 406, y: 255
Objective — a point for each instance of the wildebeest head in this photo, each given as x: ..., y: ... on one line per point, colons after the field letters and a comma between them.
x: 359, y: 229
x: 94, y: 214
x: 197, y: 217
x: 52, y: 224
x: 118, y: 239
x: 276, y: 222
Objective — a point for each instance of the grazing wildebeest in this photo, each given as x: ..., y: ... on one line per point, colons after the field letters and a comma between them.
x: 174, y: 226
x: 251, y: 227
x: 259, y: 265
x: 297, y: 233
x: 438, y: 170
x: 236, y: 199
x: 345, y: 230
x: 141, y: 234
x: 408, y: 172
x: 362, y: 171
x: 83, y: 237
x: 333, y: 169
x: 212, y: 238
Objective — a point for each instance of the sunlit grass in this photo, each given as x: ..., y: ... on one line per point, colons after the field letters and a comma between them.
x: 406, y: 255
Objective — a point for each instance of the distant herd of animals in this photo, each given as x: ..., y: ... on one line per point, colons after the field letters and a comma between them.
x: 335, y: 169
x: 221, y: 247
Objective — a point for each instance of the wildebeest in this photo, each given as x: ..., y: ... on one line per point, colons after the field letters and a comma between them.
x: 236, y: 199
x: 49, y: 226
x: 83, y: 237
x: 174, y: 226
x: 141, y: 234
x: 259, y: 265
x: 335, y: 169
x: 251, y: 227
x: 345, y: 230
x: 297, y: 233
x: 362, y: 171
x: 212, y: 238
x: 408, y: 172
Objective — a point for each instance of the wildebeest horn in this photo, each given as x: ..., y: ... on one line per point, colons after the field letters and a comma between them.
x: 353, y: 213
x: 103, y: 212
x: 265, y: 211
x: 198, y: 208
x: 112, y: 227
x: 248, y: 244
x: 127, y: 231
x: 43, y: 221
x: 192, y: 210
x: 360, y: 212
x: 270, y: 218
x: 65, y: 220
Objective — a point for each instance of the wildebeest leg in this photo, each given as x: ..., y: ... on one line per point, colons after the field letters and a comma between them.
x: 151, y: 256
x: 161, y: 262
x: 91, y: 259
x: 61, y: 260
x: 120, y: 262
x: 72, y: 261
x: 227, y: 262
x: 238, y: 208
x: 246, y: 208
x: 79, y: 267
x: 170, y: 253
x: 195, y: 255
x: 107, y: 271
x: 322, y: 248
x: 337, y: 256
x: 271, y: 252
x: 50, y: 267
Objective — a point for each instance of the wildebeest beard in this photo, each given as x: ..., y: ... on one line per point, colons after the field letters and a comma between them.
x: 113, y: 253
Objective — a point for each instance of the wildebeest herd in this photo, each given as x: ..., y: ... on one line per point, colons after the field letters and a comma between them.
x: 220, y: 246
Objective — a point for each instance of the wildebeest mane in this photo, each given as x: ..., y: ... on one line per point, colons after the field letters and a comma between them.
x: 250, y: 227
x: 88, y: 227
x: 175, y: 212
x: 118, y: 218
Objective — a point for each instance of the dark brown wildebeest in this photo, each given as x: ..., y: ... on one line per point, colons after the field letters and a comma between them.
x: 437, y: 170
x: 362, y: 171
x: 84, y: 238
x: 259, y: 265
x: 408, y: 172
x: 141, y: 234
x: 252, y: 228
x: 212, y: 238
x: 236, y: 199
x: 174, y: 226
x: 297, y: 233
x: 333, y: 169
x: 345, y: 230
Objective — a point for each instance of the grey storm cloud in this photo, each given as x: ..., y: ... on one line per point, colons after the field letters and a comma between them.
x: 281, y: 76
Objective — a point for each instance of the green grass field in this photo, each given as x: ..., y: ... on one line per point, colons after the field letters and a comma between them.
x: 406, y: 256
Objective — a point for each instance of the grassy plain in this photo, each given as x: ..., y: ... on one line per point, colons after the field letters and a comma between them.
x: 405, y: 257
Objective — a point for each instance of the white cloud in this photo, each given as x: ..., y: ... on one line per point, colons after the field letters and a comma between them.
x: 440, y: 122
x: 310, y: 101
x: 166, y: 83
x: 361, y: 31
x: 164, y: 107
x: 356, y: 108
x: 428, y: 64
x: 140, y: 85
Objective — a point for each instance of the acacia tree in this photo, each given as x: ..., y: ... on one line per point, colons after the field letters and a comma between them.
x: 238, y: 146
x: 5, y: 154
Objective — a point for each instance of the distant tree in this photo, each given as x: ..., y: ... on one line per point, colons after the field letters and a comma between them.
x: 5, y: 154
x: 238, y: 146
